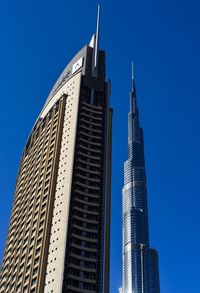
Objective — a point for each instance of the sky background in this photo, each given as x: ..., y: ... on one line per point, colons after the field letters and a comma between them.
x: 38, y: 38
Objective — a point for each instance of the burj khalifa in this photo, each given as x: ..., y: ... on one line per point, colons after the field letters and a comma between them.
x: 140, y: 273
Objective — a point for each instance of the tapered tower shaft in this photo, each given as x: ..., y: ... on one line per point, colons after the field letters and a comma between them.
x: 140, y: 274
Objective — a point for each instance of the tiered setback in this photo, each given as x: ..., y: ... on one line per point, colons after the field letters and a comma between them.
x: 139, y: 261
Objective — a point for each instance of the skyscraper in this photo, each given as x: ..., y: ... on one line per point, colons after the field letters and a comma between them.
x: 139, y: 262
x: 59, y: 233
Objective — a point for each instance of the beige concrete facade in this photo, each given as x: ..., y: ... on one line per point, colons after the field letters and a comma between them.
x: 59, y: 233
x: 25, y: 257
x: 57, y: 245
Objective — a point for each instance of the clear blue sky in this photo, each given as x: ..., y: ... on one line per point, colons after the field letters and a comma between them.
x: 39, y: 37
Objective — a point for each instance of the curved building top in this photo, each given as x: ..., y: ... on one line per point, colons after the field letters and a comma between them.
x: 80, y: 62
x: 86, y: 61
x: 73, y: 66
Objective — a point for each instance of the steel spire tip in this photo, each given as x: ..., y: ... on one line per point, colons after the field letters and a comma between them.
x: 132, y: 70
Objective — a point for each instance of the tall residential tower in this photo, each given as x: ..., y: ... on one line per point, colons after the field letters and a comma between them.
x: 139, y: 262
x: 59, y: 233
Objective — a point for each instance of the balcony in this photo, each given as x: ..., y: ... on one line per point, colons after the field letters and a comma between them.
x: 75, y: 289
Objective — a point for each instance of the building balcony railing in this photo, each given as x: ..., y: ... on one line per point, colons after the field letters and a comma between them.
x: 86, y: 211
x: 94, y: 123
x: 92, y: 135
x: 84, y: 248
x: 87, y: 114
x: 95, y: 171
x: 80, y: 175
x: 85, y: 146
x: 75, y: 289
x: 88, y: 127
x: 86, y: 280
x: 81, y: 268
x: 85, y: 219
x: 86, y: 193
x: 94, y: 108
x: 89, y: 155
x: 85, y: 229
x: 85, y: 140
x: 89, y: 163
x: 92, y: 204
x: 84, y: 238
x: 84, y: 258
x: 88, y: 185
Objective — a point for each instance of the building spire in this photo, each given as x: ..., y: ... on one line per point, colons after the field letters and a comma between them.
x: 132, y: 71
x: 133, y: 81
x: 94, y: 43
x: 96, y: 48
x: 133, y: 102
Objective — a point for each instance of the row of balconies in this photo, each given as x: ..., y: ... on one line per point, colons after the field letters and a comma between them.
x: 90, y: 133
x: 85, y: 175
x: 86, y: 228
x: 84, y: 119
x: 89, y: 108
x: 89, y: 162
x: 82, y: 191
x: 90, y: 127
x: 72, y: 289
x: 90, y: 179
x: 85, y: 139
x: 85, y: 210
x: 92, y: 106
x: 82, y: 267
x: 82, y: 279
x: 86, y: 202
x: 85, y: 184
x: 95, y: 119
x: 88, y: 220
x: 82, y: 247
x: 89, y: 154
x: 85, y: 238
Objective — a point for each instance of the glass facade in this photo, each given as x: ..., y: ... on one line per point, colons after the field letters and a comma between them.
x: 140, y: 262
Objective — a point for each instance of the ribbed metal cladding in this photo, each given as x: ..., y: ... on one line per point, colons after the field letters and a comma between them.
x: 139, y: 261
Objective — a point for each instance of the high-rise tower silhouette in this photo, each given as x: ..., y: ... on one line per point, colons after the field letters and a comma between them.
x: 59, y: 233
x: 139, y: 262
